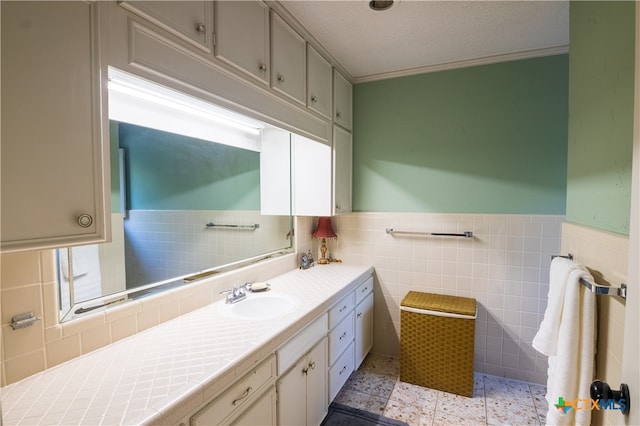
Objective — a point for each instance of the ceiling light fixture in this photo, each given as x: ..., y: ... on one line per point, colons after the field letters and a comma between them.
x: 380, y: 5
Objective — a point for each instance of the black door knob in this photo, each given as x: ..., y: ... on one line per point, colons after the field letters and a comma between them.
x: 602, y: 391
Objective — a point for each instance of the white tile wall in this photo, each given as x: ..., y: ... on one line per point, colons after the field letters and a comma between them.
x: 505, y: 267
x: 164, y: 244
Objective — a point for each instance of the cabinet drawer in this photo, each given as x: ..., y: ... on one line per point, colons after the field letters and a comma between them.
x: 339, y: 372
x: 341, y: 310
x: 298, y: 345
x: 340, y: 337
x: 364, y: 289
x: 237, y: 396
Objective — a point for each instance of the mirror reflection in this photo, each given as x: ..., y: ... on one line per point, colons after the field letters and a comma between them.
x: 183, y: 208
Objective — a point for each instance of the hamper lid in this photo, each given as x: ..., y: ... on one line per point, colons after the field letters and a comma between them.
x: 440, y: 303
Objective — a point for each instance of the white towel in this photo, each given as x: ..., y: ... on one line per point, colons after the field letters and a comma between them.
x: 567, y: 337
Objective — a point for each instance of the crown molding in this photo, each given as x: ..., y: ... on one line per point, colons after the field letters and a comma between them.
x: 526, y: 54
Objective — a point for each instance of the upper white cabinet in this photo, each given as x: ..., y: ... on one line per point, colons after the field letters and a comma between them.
x: 192, y: 21
x: 242, y: 36
x: 288, y: 60
x: 319, y: 74
x: 54, y: 151
x: 312, y: 195
x: 342, y: 170
x: 342, y: 101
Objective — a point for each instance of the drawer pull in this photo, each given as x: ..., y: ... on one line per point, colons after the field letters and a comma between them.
x: 343, y: 336
x: 359, y: 314
x: 246, y: 394
x: 343, y: 308
x: 343, y: 370
x: 312, y: 365
x: 365, y: 289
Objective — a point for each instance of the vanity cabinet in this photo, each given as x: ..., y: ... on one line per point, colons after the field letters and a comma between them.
x: 250, y: 400
x: 288, y: 59
x: 342, y: 100
x: 55, y: 153
x: 302, y: 392
x: 319, y: 75
x: 191, y: 21
x: 242, y: 37
x: 363, y: 321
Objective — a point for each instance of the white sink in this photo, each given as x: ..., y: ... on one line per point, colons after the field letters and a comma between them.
x: 260, y: 306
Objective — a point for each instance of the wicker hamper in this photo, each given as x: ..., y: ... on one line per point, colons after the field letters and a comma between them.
x: 437, y: 341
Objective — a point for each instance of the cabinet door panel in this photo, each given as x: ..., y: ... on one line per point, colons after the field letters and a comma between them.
x: 53, y: 144
x: 288, y: 59
x: 292, y: 395
x: 312, y: 177
x: 317, y: 384
x: 190, y: 20
x: 342, y: 170
x: 364, y: 329
x: 319, y: 73
x: 242, y: 36
x: 342, y: 100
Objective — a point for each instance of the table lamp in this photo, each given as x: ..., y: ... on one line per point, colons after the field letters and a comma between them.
x: 324, y: 231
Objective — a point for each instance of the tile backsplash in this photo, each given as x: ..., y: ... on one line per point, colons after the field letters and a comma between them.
x: 505, y: 267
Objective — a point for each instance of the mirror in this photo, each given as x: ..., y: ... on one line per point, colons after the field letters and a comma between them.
x: 183, y: 207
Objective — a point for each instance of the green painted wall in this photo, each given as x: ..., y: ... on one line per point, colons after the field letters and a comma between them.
x: 601, y: 86
x: 173, y: 172
x: 485, y: 139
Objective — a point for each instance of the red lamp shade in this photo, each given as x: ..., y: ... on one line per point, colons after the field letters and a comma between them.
x: 324, y: 229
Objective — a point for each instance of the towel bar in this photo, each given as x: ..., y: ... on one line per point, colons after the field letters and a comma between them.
x: 466, y: 234
x: 600, y: 289
x: 252, y: 227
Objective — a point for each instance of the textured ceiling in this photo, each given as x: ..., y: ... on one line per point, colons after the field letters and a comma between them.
x: 416, y: 34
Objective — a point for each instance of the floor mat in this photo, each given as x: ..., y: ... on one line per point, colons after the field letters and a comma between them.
x: 343, y: 415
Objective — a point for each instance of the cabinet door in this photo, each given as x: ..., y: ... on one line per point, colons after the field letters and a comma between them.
x: 292, y: 395
x: 342, y: 101
x: 364, y: 329
x: 317, y: 384
x: 275, y: 173
x: 242, y: 36
x: 311, y: 177
x: 261, y: 413
x: 54, y: 150
x: 192, y: 21
x: 319, y: 72
x: 288, y: 60
x: 342, y: 170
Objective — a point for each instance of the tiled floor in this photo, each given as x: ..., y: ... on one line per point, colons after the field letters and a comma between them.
x: 496, y: 401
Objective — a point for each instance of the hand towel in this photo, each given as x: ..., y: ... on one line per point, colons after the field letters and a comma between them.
x: 546, y: 340
x: 568, y: 339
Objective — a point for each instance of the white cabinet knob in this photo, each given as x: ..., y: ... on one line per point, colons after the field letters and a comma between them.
x: 314, y: 99
x: 85, y: 220
x: 263, y: 68
x: 281, y: 78
x: 201, y: 28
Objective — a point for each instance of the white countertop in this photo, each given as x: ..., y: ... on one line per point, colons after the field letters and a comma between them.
x: 163, y: 373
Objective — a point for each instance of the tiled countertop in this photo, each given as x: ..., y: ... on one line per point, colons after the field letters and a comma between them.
x: 160, y: 375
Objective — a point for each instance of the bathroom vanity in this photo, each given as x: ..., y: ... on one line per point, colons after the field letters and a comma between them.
x: 219, y: 364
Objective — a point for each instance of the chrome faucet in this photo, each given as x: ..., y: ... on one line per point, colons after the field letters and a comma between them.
x: 235, y: 294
